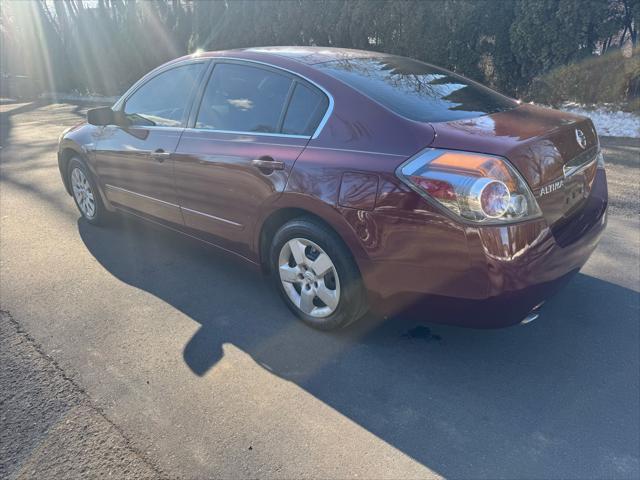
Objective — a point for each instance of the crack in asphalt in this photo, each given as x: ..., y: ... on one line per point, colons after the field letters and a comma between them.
x: 25, y: 423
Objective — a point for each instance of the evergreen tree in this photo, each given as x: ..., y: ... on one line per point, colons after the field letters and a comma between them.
x: 549, y: 33
x: 103, y: 46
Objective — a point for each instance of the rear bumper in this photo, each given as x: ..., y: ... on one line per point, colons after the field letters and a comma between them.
x: 509, y: 270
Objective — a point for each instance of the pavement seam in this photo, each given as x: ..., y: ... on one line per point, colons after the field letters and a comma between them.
x: 86, y: 399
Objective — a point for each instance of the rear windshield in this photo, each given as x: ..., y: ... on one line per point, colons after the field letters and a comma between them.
x: 417, y: 90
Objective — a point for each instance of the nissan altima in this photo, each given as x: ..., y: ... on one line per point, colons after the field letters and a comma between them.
x: 357, y: 180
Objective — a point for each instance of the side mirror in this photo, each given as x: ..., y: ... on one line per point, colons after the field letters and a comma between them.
x: 101, y: 116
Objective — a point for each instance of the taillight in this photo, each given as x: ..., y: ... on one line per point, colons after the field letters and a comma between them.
x: 477, y: 187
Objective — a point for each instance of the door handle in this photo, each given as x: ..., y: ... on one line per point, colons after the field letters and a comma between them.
x: 160, y: 155
x: 265, y: 164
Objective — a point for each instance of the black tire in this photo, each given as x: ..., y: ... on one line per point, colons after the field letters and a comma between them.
x: 101, y: 215
x: 352, y: 303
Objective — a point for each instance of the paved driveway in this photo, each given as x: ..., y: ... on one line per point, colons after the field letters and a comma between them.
x: 204, y: 372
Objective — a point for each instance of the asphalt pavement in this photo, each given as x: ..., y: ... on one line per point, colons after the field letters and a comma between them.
x: 132, y: 351
x: 50, y: 427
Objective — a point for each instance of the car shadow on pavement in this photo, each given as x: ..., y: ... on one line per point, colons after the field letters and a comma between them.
x: 557, y: 398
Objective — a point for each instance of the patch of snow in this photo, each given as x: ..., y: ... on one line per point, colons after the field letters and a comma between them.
x: 608, y: 121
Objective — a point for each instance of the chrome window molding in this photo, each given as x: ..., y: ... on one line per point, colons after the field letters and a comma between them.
x: 327, y: 114
x: 158, y: 128
x: 240, y: 132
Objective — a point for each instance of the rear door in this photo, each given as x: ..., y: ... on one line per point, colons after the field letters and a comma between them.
x: 252, y: 123
x: 135, y: 163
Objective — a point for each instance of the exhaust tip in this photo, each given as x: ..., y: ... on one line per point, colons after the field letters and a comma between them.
x: 530, y: 318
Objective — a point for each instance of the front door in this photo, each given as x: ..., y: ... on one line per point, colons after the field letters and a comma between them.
x: 135, y: 163
x: 252, y: 124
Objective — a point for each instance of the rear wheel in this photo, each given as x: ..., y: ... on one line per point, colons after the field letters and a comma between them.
x: 316, y: 275
x: 85, y: 193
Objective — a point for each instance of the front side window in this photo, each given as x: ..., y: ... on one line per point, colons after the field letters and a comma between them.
x: 243, y: 98
x: 306, y: 109
x: 163, y: 100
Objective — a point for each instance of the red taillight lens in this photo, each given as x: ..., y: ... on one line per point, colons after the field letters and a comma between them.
x: 477, y: 187
x: 436, y: 188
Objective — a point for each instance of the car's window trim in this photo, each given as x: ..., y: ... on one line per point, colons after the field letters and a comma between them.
x: 122, y: 101
x: 249, y: 134
x: 296, y: 77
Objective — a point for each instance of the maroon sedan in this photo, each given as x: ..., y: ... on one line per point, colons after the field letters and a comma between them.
x: 359, y: 180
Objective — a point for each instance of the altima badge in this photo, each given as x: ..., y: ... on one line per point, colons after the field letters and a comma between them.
x: 552, y: 187
x: 581, y: 138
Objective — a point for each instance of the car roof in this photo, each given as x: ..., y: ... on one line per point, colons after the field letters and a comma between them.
x: 315, y: 55
x: 305, y: 55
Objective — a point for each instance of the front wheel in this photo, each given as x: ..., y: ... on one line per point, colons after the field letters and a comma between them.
x: 316, y: 275
x: 85, y: 193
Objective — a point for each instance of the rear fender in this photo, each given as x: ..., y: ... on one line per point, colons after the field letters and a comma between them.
x: 325, y: 211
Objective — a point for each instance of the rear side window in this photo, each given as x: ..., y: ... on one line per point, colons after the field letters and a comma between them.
x: 305, y: 111
x: 417, y: 90
x: 243, y: 98
x: 163, y: 100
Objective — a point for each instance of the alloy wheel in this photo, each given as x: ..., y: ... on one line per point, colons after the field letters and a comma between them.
x: 83, y: 193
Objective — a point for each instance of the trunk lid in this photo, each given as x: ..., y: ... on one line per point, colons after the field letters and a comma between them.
x: 554, y: 151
